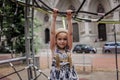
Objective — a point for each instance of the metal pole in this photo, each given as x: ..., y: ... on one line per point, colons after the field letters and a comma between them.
x: 116, y: 60
x: 27, y: 38
x: 33, y: 51
x: 15, y: 71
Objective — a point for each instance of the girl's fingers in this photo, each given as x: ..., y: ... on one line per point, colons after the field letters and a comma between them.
x: 69, y: 12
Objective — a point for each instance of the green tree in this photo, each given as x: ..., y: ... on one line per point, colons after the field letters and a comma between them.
x: 12, y: 25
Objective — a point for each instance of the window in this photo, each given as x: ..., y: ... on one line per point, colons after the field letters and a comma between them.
x: 102, y: 32
x: 46, y: 18
x: 75, y: 32
x: 47, y: 35
x: 100, y: 8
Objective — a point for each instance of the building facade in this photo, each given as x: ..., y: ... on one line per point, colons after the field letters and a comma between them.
x: 92, y: 33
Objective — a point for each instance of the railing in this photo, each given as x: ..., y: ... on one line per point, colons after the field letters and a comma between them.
x: 12, y: 60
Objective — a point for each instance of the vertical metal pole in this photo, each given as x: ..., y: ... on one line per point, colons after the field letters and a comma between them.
x: 27, y: 38
x: 117, y: 75
x: 33, y: 52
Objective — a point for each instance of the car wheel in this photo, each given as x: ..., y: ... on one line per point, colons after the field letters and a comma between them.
x: 77, y: 52
x: 107, y: 51
x: 94, y: 51
x: 91, y: 52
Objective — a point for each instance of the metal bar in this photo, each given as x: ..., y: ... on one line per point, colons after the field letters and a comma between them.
x: 44, y: 8
x: 11, y: 74
x: 12, y: 60
x: 15, y: 71
x: 79, y: 8
x: 116, y: 59
x: 27, y: 37
x: 108, y: 12
x: 40, y: 71
x: 33, y: 51
x: 46, y: 5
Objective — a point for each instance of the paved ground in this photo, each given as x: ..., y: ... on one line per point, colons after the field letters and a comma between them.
x: 104, y: 67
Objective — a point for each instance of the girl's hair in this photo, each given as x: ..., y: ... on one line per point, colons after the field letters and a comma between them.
x: 59, y: 30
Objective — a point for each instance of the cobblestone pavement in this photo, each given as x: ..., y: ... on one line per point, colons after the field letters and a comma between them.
x: 104, y: 67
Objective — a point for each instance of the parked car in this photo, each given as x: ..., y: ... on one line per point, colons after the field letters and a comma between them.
x: 109, y: 47
x: 80, y: 48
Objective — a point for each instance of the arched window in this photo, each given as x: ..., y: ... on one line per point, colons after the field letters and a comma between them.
x: 75, y: 32
x: 102, y: 36
x: 46, y: 18
x: 47, y: 35
x: 102, y: 32
x: 100, y: 8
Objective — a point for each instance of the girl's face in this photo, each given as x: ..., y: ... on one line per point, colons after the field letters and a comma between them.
x: 61, y: 40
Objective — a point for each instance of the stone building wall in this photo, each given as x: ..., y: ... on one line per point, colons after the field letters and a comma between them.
x: 88, y: 31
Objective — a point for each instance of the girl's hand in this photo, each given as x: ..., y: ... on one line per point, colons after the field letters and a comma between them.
x: 69, y: 14
x: 55, y: 12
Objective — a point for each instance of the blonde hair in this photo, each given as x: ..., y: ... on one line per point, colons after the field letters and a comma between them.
x: 59, y: 30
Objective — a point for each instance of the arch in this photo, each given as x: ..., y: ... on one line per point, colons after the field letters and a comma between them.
x: 101, y: 27
x: 100, y: 8
x: 72, y: 7
x: 46, y: 18
x: 47, y: 35
x: 63, y: 5
x: 105, y: 3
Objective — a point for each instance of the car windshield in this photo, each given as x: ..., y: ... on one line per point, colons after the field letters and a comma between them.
x: 83, y: 45
x: 78, y: 46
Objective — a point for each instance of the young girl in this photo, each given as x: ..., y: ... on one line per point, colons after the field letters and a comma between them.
x: 60, y: 45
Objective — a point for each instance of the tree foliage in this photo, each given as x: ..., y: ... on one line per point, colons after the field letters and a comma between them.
x: 12, y: 25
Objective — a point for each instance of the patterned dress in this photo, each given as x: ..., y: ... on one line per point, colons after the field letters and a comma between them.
x: 62, y: 68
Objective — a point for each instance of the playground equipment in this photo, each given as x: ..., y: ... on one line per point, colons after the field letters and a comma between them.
x: 30, y: 5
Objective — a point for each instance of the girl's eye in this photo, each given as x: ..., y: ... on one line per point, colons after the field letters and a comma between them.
x: 65, y: 38
x: 59, y: 39
x: 62, y: 38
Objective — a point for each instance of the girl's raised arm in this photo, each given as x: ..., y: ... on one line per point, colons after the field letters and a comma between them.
x: 52, y: 30
x: 70, y: 29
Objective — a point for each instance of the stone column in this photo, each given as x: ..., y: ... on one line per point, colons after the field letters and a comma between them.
x: 116, y: 16
x: 86, y: 28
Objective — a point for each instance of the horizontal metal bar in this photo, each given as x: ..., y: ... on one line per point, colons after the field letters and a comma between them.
x: 12, y: 60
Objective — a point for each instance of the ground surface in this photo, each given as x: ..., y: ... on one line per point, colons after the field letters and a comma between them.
x: 104, y: 67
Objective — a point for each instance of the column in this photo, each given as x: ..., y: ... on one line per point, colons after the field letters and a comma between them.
x: 116, y: 16
x: 86, y: 28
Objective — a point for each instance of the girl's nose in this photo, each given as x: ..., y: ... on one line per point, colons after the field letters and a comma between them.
x: 62, y: 40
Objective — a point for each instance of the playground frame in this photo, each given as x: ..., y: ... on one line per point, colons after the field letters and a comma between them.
x: 30, y: 6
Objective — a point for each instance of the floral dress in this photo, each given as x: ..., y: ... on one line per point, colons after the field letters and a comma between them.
x: 62, y: 68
